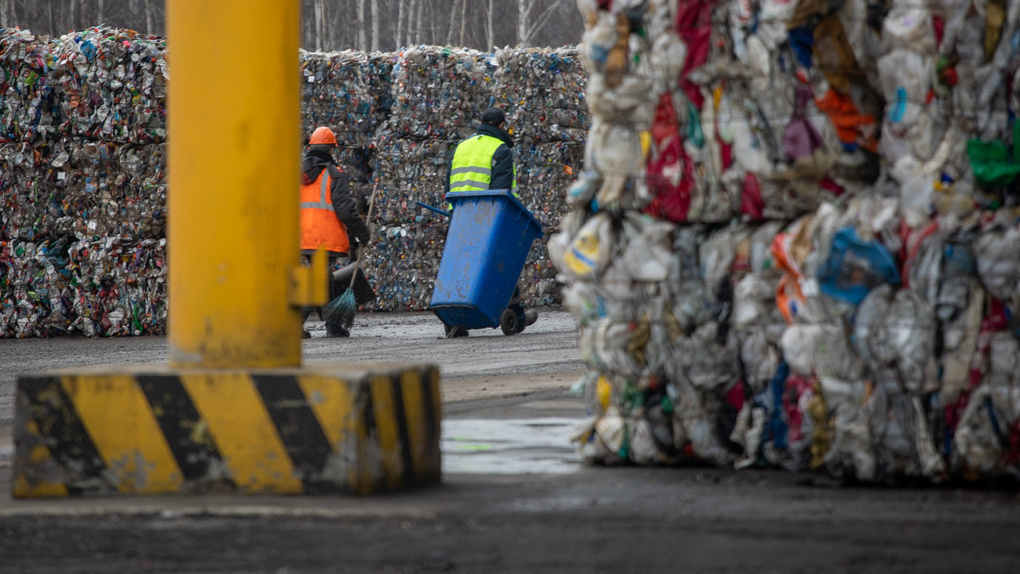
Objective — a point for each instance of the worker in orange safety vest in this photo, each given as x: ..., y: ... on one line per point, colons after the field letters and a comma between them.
x: 329, y: 214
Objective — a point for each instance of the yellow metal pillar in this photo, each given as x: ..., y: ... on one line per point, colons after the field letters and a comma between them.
x: 234, y: 137
x: 234, y: 411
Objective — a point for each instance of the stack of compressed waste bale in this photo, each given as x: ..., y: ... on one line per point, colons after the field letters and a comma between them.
x: 83, y: 167
x: 542, y: 92
x: 824, y: 199
x: 349, y: 91
x: 82, y: 181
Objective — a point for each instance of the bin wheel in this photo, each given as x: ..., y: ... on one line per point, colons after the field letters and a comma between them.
x: 510, y: 323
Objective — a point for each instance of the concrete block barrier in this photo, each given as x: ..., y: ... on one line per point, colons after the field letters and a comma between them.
x: 328, y: 428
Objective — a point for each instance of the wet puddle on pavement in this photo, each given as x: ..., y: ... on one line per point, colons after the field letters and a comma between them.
x: 509, y: 446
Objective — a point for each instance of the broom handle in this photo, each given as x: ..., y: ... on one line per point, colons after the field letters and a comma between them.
x: 361, y: 252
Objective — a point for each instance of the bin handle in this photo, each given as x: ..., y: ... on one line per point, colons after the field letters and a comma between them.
x: 435, y: 209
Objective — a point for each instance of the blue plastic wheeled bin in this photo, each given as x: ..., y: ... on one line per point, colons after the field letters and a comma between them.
x: 488, y: 241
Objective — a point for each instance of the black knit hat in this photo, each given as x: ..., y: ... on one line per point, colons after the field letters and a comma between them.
x: 493, y: 117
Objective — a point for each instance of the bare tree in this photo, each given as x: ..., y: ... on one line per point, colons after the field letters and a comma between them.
x: 439, y: 19
x: 133, y: 6
x: 415, y: 37
x: 149, y: 28
x: 490, y: 15
x: 412, y: 6
x: 6, y: 13
x: 426, y: 23
x: 463, y: 22
x: 362, y: 40
x: 376, y: 16
x: 424, y: 28
x: 527, y: 24
x: 450, y: 28
x: 320, y: 24
x: 375, y: 25
x: 336, y: 28
x: 399, y: 34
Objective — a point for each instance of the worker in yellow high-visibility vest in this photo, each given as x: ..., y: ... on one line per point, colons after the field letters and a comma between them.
x: 482, y: 162
x: 485, y: 160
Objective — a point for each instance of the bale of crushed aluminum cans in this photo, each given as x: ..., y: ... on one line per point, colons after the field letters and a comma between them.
x: 439, y: 92
x: 28, y: 96
x: 796, y: 240
x: 112, y: 86
x: 82, y: 182
x: 83, y: 245
x: 349, y: 91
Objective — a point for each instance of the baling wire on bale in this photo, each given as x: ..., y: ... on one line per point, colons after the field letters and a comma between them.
x: 341, y: 311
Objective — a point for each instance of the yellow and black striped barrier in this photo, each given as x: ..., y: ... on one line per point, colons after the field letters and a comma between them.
x: 148, y: 430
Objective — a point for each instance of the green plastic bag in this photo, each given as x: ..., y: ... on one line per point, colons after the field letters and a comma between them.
x: 992, y: 162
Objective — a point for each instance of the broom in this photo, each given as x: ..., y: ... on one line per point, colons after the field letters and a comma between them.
x: 341, y: 311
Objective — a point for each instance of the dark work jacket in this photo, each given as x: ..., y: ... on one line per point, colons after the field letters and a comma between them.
x: 343, y: 203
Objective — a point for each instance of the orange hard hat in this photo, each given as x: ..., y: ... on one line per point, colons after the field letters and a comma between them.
x: 322, y: 135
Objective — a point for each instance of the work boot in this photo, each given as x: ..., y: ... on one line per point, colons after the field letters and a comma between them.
x: 530, y: 316
x: 337, y: 332
x: 453, y: 332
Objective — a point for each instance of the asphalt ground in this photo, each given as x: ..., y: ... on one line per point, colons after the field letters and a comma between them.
x: 514, y: 496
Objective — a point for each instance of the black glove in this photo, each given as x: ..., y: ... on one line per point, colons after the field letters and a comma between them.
x: 352, y: 252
